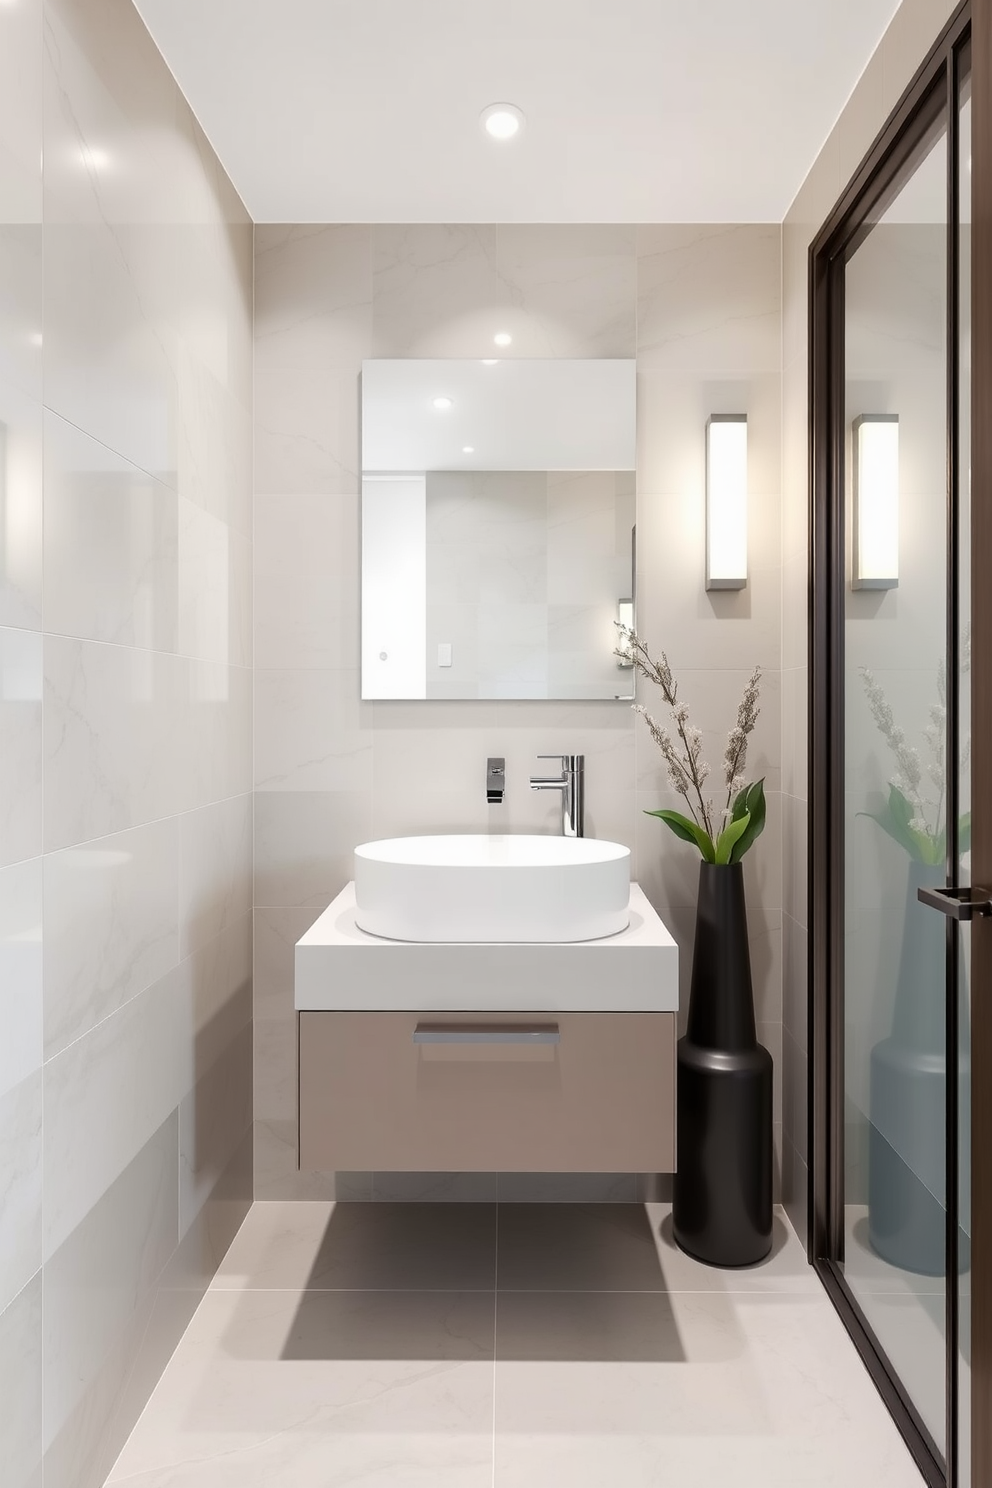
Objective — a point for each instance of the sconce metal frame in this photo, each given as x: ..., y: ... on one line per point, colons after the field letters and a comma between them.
x: 736, y: 577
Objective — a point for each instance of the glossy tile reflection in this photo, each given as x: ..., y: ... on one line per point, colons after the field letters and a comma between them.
x: 476, y: 1344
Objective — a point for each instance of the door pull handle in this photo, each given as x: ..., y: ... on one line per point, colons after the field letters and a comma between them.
x: 959, y: 904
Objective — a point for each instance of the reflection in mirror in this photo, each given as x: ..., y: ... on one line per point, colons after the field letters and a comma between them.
x: 896, y: 779
x: 497, y: 528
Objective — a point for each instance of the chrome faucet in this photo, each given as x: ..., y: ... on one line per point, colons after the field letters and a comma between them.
x: 572, y: 784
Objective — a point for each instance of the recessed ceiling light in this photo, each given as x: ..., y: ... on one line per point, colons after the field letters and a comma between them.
x: 443, y: 404
x: 502, y: 338
x: 501, y: 121
x: 468, y: 449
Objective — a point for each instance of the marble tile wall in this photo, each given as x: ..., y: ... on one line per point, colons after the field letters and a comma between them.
x: 912, y: 31
x: 125, y: 728
x: 699, y: 307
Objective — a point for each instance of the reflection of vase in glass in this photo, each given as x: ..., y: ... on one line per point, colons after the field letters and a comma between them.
x: 908, y: 1098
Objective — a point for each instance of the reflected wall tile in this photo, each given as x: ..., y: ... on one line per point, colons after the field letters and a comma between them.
x: 20, y: 265
x: 21, y: 1050
x: 795, y: 981
x: 214, y: 435
x: 216, y: 746
x: 21, y: 1387
x: 112, y: 926
x: 708, y: 299
x: 20, y: 113
x: 20, y: 505
x: 110, y: 349
x: 214, y: 588
x: 215, y: 870
x: 312, y: 732
x: 111, y: 544
x: 304, y: 844
x: 20, y: 1184
x: 20, y: 745
x: 115, y: 724
x: 437, y: 290
x: 573, y: 289
x: 103, y: 1271
x: 794, y: 1110
x: 105, y: 1097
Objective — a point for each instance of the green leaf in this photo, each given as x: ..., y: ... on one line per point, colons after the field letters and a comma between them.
x: 730, y: 836
x: 750, y: 801
x: 688, y: 830
x: 907, y: 839
x: 964, y: 833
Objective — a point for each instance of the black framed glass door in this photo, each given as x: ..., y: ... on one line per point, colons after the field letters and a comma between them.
x: 890, y: 765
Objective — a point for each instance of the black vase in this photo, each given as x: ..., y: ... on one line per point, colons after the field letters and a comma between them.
x: 723, y: 1186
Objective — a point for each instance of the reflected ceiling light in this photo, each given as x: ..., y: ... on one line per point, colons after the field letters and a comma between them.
x: 468, y: 449
x: 502, y: 338
x: 35, y: 338
x: 93, y: 159
x: 876, y: 502
x: 501, y: 121
x: 726, y: 501
x: 489, y: 361
x: 443, y: 404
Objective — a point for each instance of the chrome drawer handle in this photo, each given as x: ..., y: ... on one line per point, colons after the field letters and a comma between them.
x: 426, y: 1033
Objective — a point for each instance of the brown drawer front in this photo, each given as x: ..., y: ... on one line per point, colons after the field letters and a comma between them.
x: 484, y: 1092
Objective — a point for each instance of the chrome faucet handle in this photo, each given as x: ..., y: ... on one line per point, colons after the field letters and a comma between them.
x: 569, y: 762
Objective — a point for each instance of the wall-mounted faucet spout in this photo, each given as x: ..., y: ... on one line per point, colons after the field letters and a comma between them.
x: 572, y: 784
x: 495, y: 780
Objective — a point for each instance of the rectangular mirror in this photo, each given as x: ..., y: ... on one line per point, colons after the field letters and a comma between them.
x: 497, y: 528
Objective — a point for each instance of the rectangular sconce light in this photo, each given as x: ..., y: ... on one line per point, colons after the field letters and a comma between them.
x: 726, y: 501
x: 625, y: 615
x: 876, y: 502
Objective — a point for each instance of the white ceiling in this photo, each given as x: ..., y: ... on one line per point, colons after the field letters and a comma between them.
x: 637, y: 110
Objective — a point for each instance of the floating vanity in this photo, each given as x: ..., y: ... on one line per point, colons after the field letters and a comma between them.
x: 500, y: 1055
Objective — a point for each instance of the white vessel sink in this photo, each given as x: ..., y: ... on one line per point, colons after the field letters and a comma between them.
x: 501, y: 889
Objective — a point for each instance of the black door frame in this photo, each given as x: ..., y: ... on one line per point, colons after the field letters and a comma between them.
x: 929, y: 103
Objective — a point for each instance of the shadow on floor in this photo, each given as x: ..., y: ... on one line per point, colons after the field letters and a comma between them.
x: 573, y: 1282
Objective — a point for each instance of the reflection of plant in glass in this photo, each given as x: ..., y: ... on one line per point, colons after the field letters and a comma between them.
x: 915, y: 813
x: 722, y: 836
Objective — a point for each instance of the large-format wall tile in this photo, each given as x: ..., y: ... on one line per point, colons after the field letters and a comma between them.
x: 100, y: 1277
x: 115, y: 725
x: 21, y: 1387
x: 312, y: 732
x: 215, y: 870
x: 437, y: 291
x: 112, y: 926
x: 573, y: 290
x: 709, y: 299
x: 111, y: 544
x: 215, y: 749
x: 20, y: 1184
x: 20, y: 744
x: 304, y: 844
x: 213, y: 1122
x: 216, y: 993
x: 105, y: 1096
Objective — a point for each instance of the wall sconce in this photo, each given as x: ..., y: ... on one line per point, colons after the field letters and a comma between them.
x: 726, y: 501
x: 876, y: 502
x: 625, y: 617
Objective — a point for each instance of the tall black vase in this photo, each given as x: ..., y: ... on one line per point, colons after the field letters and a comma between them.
x: 723, y: 1187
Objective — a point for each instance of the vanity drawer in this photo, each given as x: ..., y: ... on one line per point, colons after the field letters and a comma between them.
x: 487, y: 1092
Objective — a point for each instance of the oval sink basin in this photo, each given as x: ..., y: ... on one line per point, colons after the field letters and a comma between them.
x: 492, y: 888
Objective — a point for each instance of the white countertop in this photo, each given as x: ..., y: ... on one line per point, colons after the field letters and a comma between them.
x: 634, y: 971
